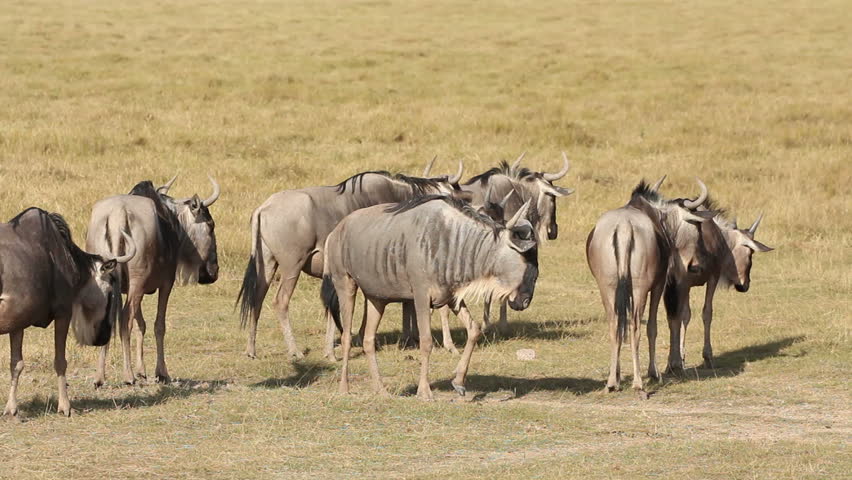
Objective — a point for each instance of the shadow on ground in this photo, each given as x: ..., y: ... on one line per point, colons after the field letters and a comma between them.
x: 137, y: 397
x: 306, y: 374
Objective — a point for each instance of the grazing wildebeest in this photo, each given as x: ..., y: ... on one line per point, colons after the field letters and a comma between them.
x: 175, y: 238
x: 288, y: 233
x: 432, y: 250
x: 713, y: 253
x: 44, y: 278
x: 628, y: 252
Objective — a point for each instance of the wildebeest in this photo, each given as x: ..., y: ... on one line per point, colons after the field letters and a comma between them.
x: 713, y: 253
x: 433, y: 250
x: 44, y: 278
x: 289, y: 229
x: 175, y: 238
x: 628, y: 252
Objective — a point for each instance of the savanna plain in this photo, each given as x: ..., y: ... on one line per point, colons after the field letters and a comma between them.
x: 752, y: 97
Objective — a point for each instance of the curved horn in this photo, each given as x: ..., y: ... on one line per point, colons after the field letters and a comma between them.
x: 506, y: 198
x: 129, y: 247
x: 457, y: 177
x: 690, y: 204
x: 566, y: 165
x: 522, y: 213
x: 753, y: 227
x: 165, y: 188
x: 429, y: 167
x: 215, y: 195
x: 514, y: 168
x: 659, y: 184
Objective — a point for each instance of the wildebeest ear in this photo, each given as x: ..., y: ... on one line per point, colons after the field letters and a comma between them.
x: 699, y: 217
x: 557, y: 191
x: 522, y: 237
x: 463, y: 196
x: 759, y: 247
x: 195, y: 204
x: 108, y: 266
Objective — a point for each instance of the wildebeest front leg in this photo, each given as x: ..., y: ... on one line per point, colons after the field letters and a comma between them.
x: 330, y: 328
x: 134, y: 302
x: 160, y: 333
x: 16, y: 366
x: 707, y: 316
x: 675, y: 362
x: 285, y: 292
x: 423, y: 309
x: 60, y: 336
x: 473, y: 334
x: 656, y: 293
x: 375, y: 309
x: 410, y: 327
x: 100, y: 374
x: 445, y: 329
x: 503, y: 322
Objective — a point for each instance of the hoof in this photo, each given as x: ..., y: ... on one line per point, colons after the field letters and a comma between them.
x: 459, y: 389
x: 296, y: 356
x: 64, y: 412
x: 330, y: 357
x: 164, y: 379
x: 10, y: 411
x: 611, y: 388
x: 357, y: 341
x: 98, y: 384
x: 708, y: 363
x: 251, y: 355
x: 130, y: 382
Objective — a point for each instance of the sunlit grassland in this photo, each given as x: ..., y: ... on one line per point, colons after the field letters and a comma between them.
x: 752, y: 98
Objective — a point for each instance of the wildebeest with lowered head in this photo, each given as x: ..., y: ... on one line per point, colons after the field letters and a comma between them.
x: 44, y: 278
x: 435, y: 251
x: 175, y: 239
x: 628, y: 252
x: 713, y: 253
x: 289, y: 229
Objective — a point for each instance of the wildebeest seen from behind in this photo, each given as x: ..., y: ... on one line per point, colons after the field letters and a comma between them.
x: 175, y: 238
x: 435, y: 251
x: 289, y: 229
x: 713, y: 253
x: 628, y: 252
x: 44, y: 278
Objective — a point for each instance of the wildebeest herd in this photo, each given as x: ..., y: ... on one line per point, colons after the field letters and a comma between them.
x: 430, y: 242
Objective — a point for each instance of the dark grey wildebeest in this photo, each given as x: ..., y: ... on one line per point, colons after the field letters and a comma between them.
x: 45, y: 278
x: 628, y: 252
x: 712, y: 254
x: 288, y: 233
x: 175, y: 238
x: 434, y: 251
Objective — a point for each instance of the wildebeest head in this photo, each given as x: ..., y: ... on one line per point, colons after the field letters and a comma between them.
x: 98, y: 302
x: 495, y: 210
x: 519, y: 263
x: 542, y: 182
x: 197, y: 258
x: 742, y: 246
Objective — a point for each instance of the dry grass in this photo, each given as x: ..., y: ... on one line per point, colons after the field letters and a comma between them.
x: 754, y: 98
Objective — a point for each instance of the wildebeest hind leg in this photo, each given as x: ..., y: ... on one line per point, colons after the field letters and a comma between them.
x: 473, y: 334
x: 266, y: 267
x: 707, y: 317
x: 375, y: 309
x: 635, y: 325
x: 140, y: 341
x: 134, y: 302
x: 656, y: 293
x: 346, y: 290
x: 445, y: 330
x: 60, y: 335
x: 16, y: 366
x: 282, y: 304
x: 160, y: 333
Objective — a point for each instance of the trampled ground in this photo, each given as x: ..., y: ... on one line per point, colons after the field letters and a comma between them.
x: 753, y: 98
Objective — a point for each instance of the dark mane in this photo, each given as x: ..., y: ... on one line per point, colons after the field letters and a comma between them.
x: 503, y: 169
x: 644, y: 190
x: 57, y: 240
x: 167, y: 219
x: 457, y: 204
x: 712, y: 205
x: 420, y: 186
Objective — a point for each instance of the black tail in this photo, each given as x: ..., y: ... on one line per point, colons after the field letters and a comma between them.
x: 623, y: 302
x: 330, y: 300
x: 248, y: 293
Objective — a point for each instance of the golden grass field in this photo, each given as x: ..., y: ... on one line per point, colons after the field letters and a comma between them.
x: 752, y: 97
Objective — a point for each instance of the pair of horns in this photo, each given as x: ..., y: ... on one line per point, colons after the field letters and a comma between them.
x: 163, y: 190
x: 550, y: 177
x: 691, y: 204
x: 454, y: 179
x: 502, y: 202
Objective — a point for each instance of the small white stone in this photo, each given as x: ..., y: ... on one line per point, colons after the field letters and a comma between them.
x: 525, y: 354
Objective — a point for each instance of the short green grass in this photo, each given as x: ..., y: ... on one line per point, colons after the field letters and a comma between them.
x: 751, y: 97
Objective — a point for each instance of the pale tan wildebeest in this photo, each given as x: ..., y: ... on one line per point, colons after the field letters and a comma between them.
x: 288, y: 233
x: 175, y: 238
x: 432, y: 250
x: 45, y: 278
x: 628, y: 252
x: 712, y: 254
